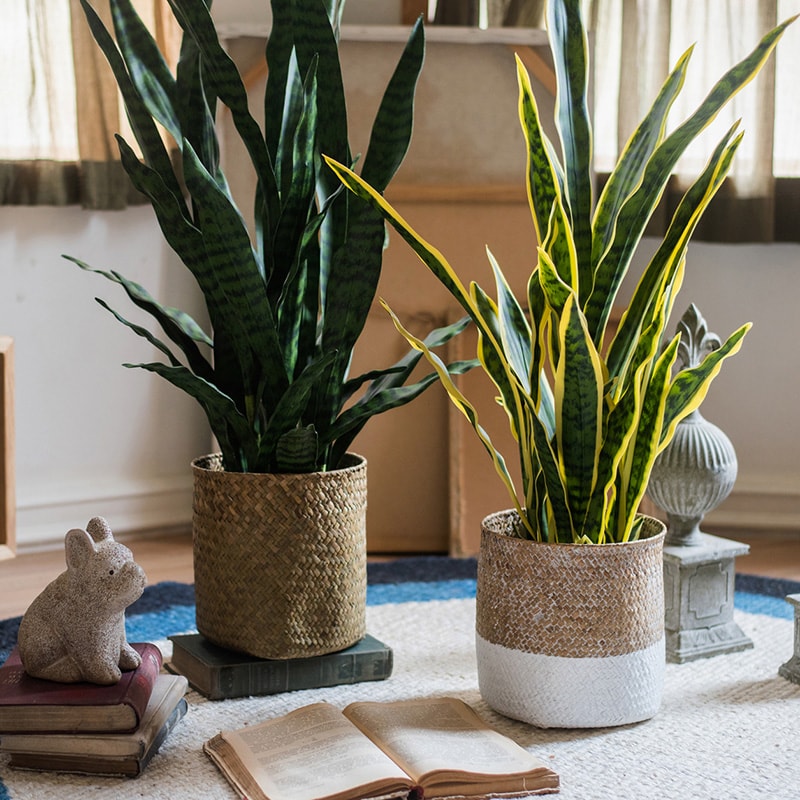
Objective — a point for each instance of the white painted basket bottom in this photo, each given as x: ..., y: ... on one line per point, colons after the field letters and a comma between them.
x: 557, y: 692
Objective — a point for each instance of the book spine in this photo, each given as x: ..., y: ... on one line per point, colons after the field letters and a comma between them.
x: 124, y: 767
x: 141, y: 686
x: 79, y: 766
x: 177, y: 714
x: 273, y: 677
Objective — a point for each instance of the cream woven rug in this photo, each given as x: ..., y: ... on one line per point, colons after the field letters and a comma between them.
x: 729, y: 727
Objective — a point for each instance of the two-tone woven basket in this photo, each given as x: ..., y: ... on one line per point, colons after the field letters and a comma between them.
x: 570, y: 635
x: 280, y: 559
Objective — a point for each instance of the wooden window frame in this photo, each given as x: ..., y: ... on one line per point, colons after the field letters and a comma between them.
x: 7, y: 484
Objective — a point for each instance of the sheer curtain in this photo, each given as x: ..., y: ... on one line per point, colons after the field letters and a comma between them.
x: 61, y: 106
x: 637, y: 42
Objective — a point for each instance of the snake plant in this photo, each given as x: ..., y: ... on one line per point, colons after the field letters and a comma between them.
x: 287, y: 304
x: 590, y: 404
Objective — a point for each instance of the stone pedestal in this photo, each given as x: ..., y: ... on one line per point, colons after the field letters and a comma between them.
x: 698, y: 594
x: 791, y: 669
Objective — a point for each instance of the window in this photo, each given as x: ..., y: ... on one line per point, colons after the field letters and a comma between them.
x: 38, y: 88
x: 636, y: 44
x: 61, y: 106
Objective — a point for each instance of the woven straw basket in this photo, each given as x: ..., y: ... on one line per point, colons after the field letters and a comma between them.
x: 280, y: 559
x: 570, y: 636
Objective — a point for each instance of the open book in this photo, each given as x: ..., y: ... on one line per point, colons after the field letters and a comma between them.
x: 434, y: 748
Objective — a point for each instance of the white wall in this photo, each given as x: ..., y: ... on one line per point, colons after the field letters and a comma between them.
x: 91, y: 436
x: 754, y: 400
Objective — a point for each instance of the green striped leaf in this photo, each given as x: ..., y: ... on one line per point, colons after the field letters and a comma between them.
x: 465, y: 407
x: 559, y: 244
x: 228, y: 425
x: 182, y: 235
x: 224, y: 79
x: 352, y: 420
x: 640, y: 457
x: 541, y: 394
x: 621, y: 421
x: 144, y: 333
x: 515, y: 332
x: 627, y: 172
x: 176, y: 324
x: 638, y: 208
x: 350, y: 281
x: 289, y: 411
x: 690, y: 386
x: 314, y: 38
x: 625, y: 422
x: 557, y: 514
x: 146, y: 66
x: 556, y: 291
x: 239, y: 296
x: 542, y: 179
x: 298, y: 181
x: 142, y: 124
x: 579, y: 407
x: 660, y: 271
x: 194, y: 104
x: 391, y: 131
x: 297, y: 450
x: 495, y: 363
x: 570, y: 51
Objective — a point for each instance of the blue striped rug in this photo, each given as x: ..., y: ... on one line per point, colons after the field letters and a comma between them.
x: 168, y: 607
x: 395, y: 590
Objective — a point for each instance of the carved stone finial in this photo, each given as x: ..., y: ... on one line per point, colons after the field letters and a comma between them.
x: 692, y: 476
x: 698, y: 469
x: 696, y: 340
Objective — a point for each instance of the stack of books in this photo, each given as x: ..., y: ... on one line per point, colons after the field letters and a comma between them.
x: 86, y: 728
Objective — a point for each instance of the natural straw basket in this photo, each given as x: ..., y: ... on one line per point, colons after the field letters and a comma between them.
x: 570, y: 635
x: 280, y: 559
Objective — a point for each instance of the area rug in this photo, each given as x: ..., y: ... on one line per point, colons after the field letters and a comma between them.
x: 729, y: 726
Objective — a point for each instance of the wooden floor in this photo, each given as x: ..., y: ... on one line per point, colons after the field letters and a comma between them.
x: 169, y: 557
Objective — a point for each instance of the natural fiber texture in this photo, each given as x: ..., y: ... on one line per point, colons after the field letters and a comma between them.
x: 727, y: 727
x: 554, y: 692
x: 280, y: 559
x: 573, y: 601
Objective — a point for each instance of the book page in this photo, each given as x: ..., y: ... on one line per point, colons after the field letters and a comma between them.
x: 441, y: 734
x: 313, y: 752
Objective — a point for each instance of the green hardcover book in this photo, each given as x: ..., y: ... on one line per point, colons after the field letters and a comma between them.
x: 219, y: 674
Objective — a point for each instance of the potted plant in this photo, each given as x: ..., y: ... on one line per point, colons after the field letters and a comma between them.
x: 570, y: 594
x: 285, y: 305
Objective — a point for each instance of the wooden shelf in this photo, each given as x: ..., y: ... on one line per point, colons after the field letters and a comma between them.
x: 530, y: 37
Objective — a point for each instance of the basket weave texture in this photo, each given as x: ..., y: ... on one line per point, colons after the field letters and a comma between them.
x: 569, y: 600
x: 280, y: 559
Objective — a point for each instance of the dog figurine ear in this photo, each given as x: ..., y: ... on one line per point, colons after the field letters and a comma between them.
x: 99, y: 529
x: 79, y: 548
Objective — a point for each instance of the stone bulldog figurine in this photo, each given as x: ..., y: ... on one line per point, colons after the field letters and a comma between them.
x: 75, y: 629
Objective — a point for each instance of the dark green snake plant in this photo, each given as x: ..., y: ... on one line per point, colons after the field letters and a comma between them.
x: 286, y: 304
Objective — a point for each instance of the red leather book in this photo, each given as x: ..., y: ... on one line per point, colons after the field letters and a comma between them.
x: 32, y: 705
